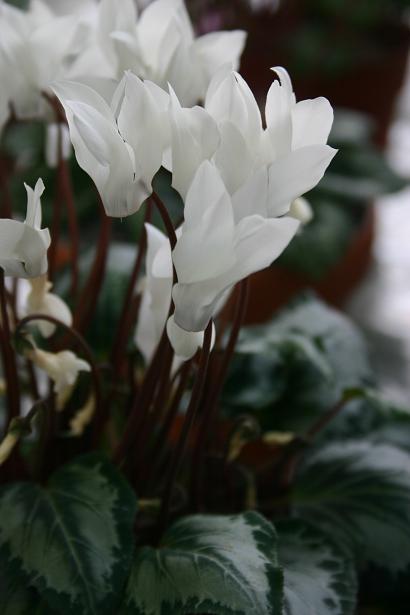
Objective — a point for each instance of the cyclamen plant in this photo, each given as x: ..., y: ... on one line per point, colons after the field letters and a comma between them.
x: 124, y: 489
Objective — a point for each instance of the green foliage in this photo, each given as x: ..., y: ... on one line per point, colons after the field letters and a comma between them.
x: 71, y: 541
x: 209, y: 564
x: 318, y: 577
x: 359, y: 492
x: 296, y: 367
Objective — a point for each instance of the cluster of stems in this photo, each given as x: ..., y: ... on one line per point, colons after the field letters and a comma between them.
x: 155, y: 438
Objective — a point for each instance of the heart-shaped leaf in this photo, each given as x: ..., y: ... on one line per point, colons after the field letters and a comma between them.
x: 72, y: 541
x: 319, y: 579
x: 219, y: 565
x: 359, y: 493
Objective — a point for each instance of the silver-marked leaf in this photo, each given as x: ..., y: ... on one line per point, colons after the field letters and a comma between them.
x: 293, y: 369
x: 218, y: 565
x: 318, y: 577
x: 359, y: 493
x: 72, y: 541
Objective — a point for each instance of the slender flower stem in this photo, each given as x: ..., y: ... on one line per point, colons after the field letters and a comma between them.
x: 141, y: 405
x: 67, y: 192
x: 152, y: 416
x: 137, y: 421
x: 55, y: 223
x: 9, y: 356
x: 169, y: 227
x: 78, y: 338
x: 128, y: 314
x: 196, y: 396
x: 158, y: 455
x: 211, y: 404
x: 89, y: 295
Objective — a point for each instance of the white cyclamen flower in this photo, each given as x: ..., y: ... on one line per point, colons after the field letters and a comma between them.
x: 35, y: 49
x: 292, y: 146
x: 156, y: 301
x: 120, y: 146
x: 222, y: 241
x: 24, y: 245
x: 171, y: 53
x: 63, y: 368
x: 39, y: 300
x: 160, y: 45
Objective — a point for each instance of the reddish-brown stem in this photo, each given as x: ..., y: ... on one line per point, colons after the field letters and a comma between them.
x: 153, y: 412
x: 211, y: 404
x: 196, y: 396
x: 169, y: 227
x: 128, y: 314
x: 141, y: 403
x: 89, y: 295
x: 78, y: 338
x: 158, y: 453
x: 9, y: 357
x: 67, y: 192
x: 138, y: 419
x: 55, y: 224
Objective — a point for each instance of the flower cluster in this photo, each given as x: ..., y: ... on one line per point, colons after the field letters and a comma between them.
x: 238, y: 172
x: 133, y: 91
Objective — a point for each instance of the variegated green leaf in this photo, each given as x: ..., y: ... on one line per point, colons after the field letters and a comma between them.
x: 359, y: 493
x: 219, y: 565
x: 319, y: 579
x: 72, y: 541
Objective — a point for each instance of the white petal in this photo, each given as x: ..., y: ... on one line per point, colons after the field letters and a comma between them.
x: 252, y: 197
x: 258, y: 243
x: 205, y: 247
x: 140, y: 124
x: 101, y: 151
x: 184, y: 343
x: 233, y: 158
x: 33, y: 216
x: 231, y: 99
x: 194, y: 138
x: 311, y: 122
x: 295, y: 174
x: 219, y: 48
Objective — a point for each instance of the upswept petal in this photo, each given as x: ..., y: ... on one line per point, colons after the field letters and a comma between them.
x: 146, y: 135
x: 231, y: 99
x: 205, y: 247
x: 67, y: 91
x: 218, y: 48
x: 278, y: 112
x: 33, y: 215
x: 101, y: 151
x: 161, y: 27
x: 252, y: 197
x: 295, y: 174
x: 259, y: 242
x: 233, y: 158
x: 311, y: 122
x: 156, y: 292
x: 194, y: 138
